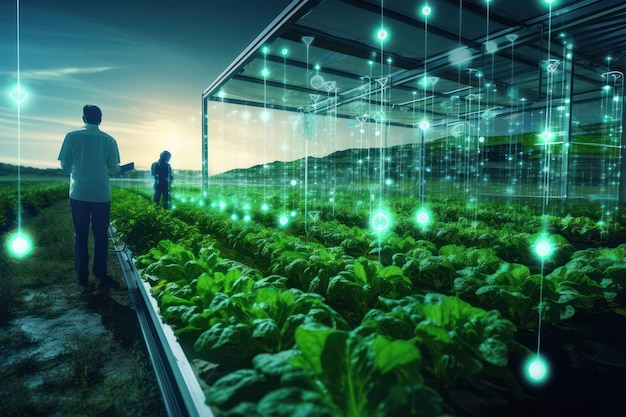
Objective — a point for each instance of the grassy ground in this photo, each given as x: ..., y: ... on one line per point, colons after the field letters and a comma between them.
x: 64, y: 352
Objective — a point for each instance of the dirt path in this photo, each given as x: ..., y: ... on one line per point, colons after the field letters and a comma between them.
x: 64, y: 352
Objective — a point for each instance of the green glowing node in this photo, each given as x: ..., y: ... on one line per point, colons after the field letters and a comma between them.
x: 247, y: 218
x: 546, y: 136
x: 422, y: 217
x: 265, y: 207
x: 19, y: 245
x: 18, y: 95
x: 234, y: 217
x: 284, y: 51
x: 283, y: 220
x: 537, y: 370
x: 424, y: 125
x: 222, y: 205
x: 380, y: 222
x: 382, y: 34
x: 426, y: 10
x: 543, y: 248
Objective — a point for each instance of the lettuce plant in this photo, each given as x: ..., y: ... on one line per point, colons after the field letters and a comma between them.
x: 457, y: 340
x: 364, y: 376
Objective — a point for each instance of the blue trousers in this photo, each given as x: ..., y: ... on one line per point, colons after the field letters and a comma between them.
x: 164, y: 191
x: 84, y: 213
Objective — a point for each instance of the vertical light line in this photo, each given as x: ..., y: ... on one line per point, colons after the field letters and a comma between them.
x: 546, y: 176
x: 19, y: 126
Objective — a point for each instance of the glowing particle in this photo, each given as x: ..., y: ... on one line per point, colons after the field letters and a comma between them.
x: 380, y: 222
x: 294, y: 182
x: 18, y: 95
x: 422, y: 217
x: 543, y: 248
x: 247, y: 218
x: 283, y: 220
x: 234, y: 217
x: 382, y: 34
x: 19, y: 245
x: 537, y: 370
x: 424, y: 125
x: 265, y: 207
x: 546, y: 136
x: 426, y: 10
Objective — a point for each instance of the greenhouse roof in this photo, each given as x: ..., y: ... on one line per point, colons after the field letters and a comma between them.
x: 326, y: 55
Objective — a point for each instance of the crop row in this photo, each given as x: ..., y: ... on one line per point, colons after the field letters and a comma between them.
x: 300, y: 320
x: 32, y: 199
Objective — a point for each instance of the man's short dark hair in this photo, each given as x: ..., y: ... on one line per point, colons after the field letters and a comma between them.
x: 92, y: 114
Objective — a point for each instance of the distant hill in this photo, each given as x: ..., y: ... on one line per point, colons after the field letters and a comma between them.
x: 8, y: 170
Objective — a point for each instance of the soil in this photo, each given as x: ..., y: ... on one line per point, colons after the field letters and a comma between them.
x: 65, y: 351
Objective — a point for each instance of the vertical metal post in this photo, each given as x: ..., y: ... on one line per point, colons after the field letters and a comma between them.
x: 621, y: 197
x: 569, y: 104
x: 205, y: 147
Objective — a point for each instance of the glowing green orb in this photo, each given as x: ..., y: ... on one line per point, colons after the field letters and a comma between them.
x: 19, y: 245
x: 247, y: 218
x: 422, y: 217
x: 537, y: 370
x: 380, y: 222
x: 283, y: 220
x: 543, y: 248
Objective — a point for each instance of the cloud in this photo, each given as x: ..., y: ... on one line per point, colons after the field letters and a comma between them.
x: 48, y: 74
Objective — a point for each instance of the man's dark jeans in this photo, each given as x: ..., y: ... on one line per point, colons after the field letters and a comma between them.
x: 84, y: 212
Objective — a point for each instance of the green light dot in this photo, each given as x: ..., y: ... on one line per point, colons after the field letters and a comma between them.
x: 537, y: 370
x: 422, y: 217
x: 19, y: 245
x: 543, y: 248
x: 283, y: 220
x: 380, y: 222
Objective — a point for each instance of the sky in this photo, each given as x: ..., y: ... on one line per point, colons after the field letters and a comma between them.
x: 145, y: 63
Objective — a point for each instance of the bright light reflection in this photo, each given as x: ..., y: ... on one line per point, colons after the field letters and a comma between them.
x: 283, y: 220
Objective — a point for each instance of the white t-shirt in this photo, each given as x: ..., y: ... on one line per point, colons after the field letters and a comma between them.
x: 90, y: 156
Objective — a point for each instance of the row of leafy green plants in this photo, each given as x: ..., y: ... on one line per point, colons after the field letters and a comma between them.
x: 331, y: 327
x: 32, y: 198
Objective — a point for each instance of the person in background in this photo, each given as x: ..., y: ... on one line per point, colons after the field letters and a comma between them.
x: 91, y: 157
x: 162, y: 173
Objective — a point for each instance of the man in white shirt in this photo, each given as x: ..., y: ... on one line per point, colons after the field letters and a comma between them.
x: 91, y: 157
